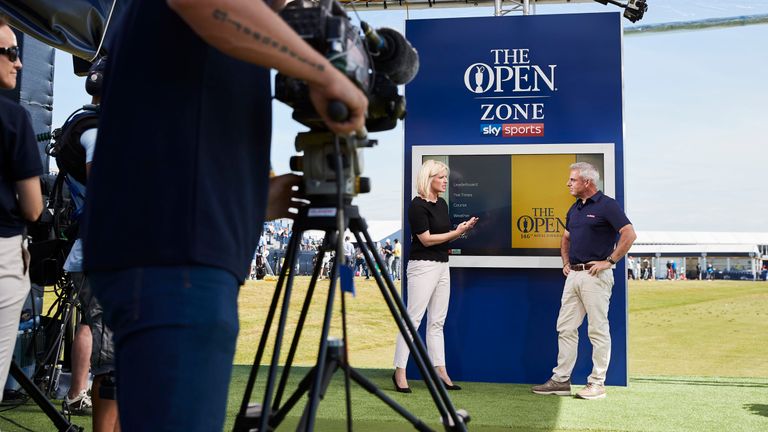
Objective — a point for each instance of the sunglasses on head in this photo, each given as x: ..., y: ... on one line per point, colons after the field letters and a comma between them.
x: 11, y: 52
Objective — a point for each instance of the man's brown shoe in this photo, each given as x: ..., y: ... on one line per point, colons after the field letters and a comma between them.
x: 553, y: 388
x: 592, y: 391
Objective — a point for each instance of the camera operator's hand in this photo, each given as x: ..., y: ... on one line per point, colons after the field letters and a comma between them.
x: 281, y: 195
x: 339, y: 88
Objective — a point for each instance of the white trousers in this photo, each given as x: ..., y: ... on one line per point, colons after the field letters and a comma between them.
x: 429, y: 289
x: 588, y: 295
x: 14, y: 289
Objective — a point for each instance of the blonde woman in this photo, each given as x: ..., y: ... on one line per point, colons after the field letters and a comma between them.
x: 429, y: 282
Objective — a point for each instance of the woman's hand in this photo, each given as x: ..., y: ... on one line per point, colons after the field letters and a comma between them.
x: 466, y: 225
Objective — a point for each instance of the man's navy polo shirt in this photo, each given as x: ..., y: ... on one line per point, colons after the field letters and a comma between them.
x: 593, y: 227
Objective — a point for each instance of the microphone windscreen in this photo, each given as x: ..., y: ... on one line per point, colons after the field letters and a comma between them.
x: 399, y: 60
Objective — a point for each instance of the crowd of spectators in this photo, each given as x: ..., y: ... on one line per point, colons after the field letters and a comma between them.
x: 269, y: 256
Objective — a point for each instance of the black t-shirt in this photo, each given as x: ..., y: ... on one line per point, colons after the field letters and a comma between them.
x: 433, y: 217
x: 181, y: 169
x: 19, y: 160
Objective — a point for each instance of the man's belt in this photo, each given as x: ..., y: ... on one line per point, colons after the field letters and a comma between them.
x: 581, y: 267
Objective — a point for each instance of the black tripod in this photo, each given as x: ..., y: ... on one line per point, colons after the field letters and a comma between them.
x: 332, y: 354
x: 59, y: 421
x: 66, y: 306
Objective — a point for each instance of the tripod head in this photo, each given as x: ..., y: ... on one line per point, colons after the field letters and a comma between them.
x: 319, y: 160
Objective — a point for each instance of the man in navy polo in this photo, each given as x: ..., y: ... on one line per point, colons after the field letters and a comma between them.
x: 589, y: 249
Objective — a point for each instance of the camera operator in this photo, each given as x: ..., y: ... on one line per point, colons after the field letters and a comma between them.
x: 93, y: 341
x: 180, y: 188
x: 21, y: 199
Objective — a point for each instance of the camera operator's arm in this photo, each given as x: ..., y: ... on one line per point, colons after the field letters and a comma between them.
x: 30, y: 198
x: 250, y: 31
x: 281, y: 196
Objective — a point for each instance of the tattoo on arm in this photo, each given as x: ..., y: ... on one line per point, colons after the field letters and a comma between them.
x: 223, y: 18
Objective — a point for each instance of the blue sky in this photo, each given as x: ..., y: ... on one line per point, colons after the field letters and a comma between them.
x: 696, y: 137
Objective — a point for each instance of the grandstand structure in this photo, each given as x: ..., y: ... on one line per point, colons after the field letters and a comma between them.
x: 734, y: 255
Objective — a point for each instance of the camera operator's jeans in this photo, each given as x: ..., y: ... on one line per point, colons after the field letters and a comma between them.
x: 175, y: 330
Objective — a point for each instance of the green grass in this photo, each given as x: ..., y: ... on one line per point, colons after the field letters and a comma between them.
x: 717, y: 328
x: 698, y: 362
x: 647, y: 404
x: 370, y: 326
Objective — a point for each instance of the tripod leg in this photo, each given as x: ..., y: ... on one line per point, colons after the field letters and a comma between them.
x: 345, y: 359
x: 243, y: 421
x: 299, y: 327
x: 46, y: 357
x: 61, y: 345
x: 43, y: 368
x: 302, y: 388
x: 292, y: 253
x: 404, y: 324
x: 309, y: 422
x: 323, y: 373
x: 71, y: 328
x: 262, y: 345
x: 371, y: 388
x: 61, y: 423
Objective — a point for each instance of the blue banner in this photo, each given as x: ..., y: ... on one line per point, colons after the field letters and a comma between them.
x: 546, y: 85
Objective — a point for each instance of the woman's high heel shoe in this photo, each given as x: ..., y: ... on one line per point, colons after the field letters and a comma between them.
x: 398, y: 388
x: 450, y: 386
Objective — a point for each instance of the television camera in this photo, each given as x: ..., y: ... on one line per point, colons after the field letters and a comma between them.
x: 633, y: 9
x: 377, y: 61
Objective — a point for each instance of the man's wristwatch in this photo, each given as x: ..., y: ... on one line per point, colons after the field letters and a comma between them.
x: 610, y: 260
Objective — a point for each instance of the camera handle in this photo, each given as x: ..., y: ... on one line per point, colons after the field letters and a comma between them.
x: 339, y: 112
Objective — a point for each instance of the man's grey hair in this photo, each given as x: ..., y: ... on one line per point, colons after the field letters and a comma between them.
x: 586, y: 171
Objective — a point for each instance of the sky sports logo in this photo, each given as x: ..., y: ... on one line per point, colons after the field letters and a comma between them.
x: 512, y: 130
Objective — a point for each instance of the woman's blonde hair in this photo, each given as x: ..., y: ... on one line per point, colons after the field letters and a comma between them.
x: 429, y: 169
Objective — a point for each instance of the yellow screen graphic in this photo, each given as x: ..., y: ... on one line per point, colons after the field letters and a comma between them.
x: 540, y: 199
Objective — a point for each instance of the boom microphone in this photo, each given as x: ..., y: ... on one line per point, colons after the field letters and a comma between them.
x: 392, y: 53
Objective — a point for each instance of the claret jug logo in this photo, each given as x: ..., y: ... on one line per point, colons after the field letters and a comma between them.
x: 511, y: 75
x: 540, y: 222
x: 511, y: 71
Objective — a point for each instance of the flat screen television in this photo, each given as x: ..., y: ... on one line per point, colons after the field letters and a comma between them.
x: 519, y: 194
